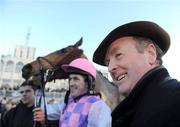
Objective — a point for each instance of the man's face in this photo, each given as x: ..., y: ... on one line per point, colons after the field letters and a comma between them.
x: 77, y: 85
x: 28, y: 95
x: 126, y: 65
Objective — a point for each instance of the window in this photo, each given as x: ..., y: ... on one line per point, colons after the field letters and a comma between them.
x: 19, y: 66
x: 9, y: 66
x: 1, y: 65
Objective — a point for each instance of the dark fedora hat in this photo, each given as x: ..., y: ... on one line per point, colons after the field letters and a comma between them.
x: 139, y: 28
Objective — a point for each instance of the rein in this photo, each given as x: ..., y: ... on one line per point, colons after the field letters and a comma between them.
x: 40, y: 92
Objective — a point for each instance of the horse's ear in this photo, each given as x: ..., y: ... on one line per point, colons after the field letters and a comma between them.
x: 78, y: 43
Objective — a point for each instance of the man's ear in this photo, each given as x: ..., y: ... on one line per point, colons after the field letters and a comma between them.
x: 151, y: 54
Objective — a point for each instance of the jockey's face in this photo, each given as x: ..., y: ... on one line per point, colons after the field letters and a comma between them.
x: 28, y: 95
x: 77, y: 85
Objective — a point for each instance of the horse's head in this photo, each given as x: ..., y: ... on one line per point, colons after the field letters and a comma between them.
x: 52, y: 62
x: 34, y: 71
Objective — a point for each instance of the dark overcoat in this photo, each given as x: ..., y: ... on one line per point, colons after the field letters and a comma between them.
x: 20, y: 116
x: 154, y: 102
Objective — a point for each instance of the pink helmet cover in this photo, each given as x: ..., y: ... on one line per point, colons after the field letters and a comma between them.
x: 81, y: 64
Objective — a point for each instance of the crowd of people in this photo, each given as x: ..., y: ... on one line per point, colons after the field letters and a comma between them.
x: 133, y: 55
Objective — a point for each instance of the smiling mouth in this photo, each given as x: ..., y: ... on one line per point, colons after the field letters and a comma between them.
x: 120, y: 77
x: 73, y: 89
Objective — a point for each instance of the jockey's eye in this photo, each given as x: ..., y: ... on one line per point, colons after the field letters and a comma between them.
x: 73, y: 78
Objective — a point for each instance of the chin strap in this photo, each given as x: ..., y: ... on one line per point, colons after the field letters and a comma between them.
x: 66, y: 97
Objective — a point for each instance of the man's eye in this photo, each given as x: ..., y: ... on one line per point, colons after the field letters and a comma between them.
x: 21, y: 92
x: 76, y: 78
x: 118, y: 55
x: 25, y: 91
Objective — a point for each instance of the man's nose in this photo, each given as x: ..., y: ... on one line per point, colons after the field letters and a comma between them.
x: 71, y: 83
x: 112, y: 66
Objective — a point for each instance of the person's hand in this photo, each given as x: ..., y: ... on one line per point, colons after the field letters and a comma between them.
x: 39, y: 115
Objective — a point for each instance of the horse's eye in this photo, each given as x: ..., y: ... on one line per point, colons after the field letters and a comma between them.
x: 63, y: 50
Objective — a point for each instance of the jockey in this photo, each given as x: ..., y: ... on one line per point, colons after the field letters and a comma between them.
x: 82, y: 107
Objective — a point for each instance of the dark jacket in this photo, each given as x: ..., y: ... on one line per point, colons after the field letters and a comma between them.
x: 154, y: 102
x: 20, y: 116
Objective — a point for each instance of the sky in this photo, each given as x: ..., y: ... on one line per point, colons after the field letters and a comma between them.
x: 54, y: 24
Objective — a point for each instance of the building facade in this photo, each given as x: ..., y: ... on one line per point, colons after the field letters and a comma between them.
x: 10, y: 66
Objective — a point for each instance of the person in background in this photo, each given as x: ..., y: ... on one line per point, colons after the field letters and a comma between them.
x: 133, y: 54
x: 8, y: 106
x: 21, y: 115
x: 3, y: 103
x: 82, y: 106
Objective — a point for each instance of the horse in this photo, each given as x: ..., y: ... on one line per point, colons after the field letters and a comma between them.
x: 51, y: 65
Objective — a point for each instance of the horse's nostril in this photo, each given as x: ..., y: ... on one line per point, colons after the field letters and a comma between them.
x: 27, y: 67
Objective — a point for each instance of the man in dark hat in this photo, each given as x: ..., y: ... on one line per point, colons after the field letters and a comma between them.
x: 133, y: 54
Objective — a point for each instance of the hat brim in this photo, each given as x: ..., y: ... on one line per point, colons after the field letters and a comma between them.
x: 140, y: 28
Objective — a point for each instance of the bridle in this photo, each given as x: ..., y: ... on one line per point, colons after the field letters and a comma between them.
x: 46, y: 74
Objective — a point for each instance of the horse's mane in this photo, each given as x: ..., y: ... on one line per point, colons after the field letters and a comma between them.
x: 107, y: 89
x: 104, y: 77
